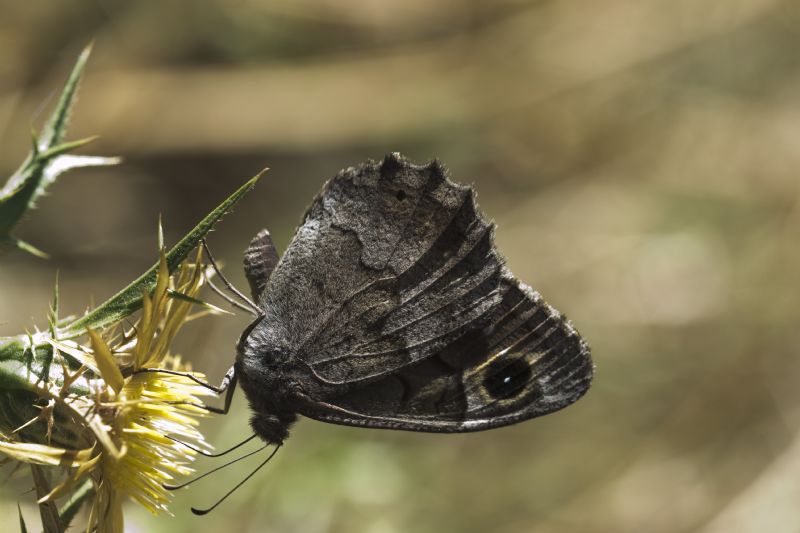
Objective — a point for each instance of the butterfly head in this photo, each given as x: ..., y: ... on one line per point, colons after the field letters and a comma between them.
x: 270, y: 428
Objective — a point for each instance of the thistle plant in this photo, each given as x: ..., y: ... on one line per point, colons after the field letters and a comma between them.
x: 83, y: 404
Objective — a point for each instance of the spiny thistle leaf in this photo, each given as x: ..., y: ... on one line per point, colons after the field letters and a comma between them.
x: 7, y: 241
x: 75, y: 502
x: 129, y: 299
x: 56, y: 126
x: 47, y: 160
x: 22, y: 527
x: 47, y: 510
x: 52, y: 319
x: 16, y: 352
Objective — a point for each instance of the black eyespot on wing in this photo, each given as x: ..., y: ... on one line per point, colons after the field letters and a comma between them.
x: 507, y: 377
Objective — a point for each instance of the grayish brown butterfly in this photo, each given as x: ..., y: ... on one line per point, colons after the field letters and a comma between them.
x: 392, y: 308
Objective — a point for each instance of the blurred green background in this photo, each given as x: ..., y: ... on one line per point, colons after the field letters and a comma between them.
x: 640, y: 158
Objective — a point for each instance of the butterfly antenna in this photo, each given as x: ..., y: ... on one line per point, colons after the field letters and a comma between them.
x: 201, y: 512
x: 198, y: 478
x: 252, y: 307
x: 227, y: 298
x: 205, y: 453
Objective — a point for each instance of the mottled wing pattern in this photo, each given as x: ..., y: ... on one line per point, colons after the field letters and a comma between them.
x: 526, y: 360
x: 393, y: 297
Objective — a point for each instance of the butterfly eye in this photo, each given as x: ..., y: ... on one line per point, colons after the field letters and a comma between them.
x: 505, y: 379
x: 401, y: 195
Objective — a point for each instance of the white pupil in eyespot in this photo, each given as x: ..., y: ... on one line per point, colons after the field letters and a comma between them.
x: 507, y: 377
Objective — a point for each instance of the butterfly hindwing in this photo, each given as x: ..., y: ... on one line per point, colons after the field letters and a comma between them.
x: 526, y: 361
x: 398, y: 311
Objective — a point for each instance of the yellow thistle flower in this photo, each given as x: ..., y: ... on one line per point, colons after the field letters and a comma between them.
x: 123, y: 422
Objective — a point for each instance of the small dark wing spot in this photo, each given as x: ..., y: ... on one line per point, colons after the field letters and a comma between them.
x: 401, y: 195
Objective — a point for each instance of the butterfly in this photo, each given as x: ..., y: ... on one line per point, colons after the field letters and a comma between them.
x: 392, y: 308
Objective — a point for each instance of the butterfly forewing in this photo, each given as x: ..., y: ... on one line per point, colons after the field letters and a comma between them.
x: 397, y: 311
x: 259, y: 260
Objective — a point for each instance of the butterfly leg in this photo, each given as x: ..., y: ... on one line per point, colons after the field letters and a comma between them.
x: 228, y: 386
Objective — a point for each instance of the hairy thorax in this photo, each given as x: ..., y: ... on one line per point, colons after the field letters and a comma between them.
x: 259, y: 371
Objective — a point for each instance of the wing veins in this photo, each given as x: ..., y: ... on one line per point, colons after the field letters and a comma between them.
x: 430, y: 313
x: 397, y: 368
x: 344, y: 303
x: 444, y: 270
x: 427, y: 341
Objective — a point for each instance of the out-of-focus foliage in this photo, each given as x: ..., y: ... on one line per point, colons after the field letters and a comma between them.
x: 47, y: 160
x: 639, y: 156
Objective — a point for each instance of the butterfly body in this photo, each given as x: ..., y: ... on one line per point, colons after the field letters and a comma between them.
x: 392, y: 308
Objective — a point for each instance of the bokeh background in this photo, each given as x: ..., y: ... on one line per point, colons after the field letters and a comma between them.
x: 640, y: 158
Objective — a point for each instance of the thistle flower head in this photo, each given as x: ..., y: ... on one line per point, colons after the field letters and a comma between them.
x: 123, y: 420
